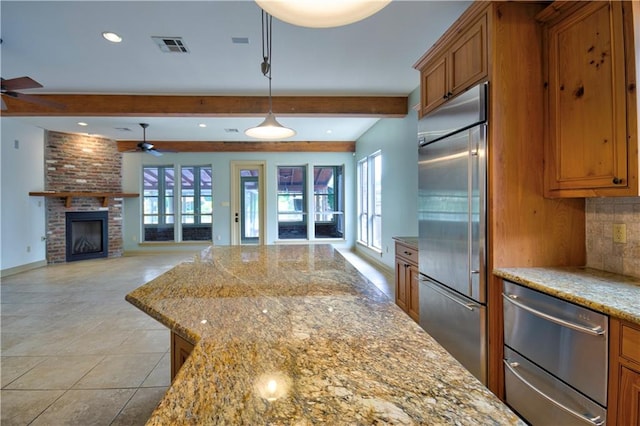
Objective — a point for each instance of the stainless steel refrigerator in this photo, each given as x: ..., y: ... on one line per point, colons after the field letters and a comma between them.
x: 452, y: 224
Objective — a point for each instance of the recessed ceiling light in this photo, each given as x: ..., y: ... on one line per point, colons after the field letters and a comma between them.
x: 112, y: 37
x: 82, y: 123
x: 202, y: 125
x: 329, y: 131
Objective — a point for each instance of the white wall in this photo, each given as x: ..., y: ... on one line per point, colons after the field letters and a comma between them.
x: 398, y: 141
x: 221, y: 166
x: 22, y: 217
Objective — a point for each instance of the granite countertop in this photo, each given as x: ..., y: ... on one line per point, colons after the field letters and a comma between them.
x: 605, y: 292
x: 296, y: 335
x: 411, y: 241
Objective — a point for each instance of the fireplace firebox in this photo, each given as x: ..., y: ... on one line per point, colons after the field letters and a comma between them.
x: 87, y: 235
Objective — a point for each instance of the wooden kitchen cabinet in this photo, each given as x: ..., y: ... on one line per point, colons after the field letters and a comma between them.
x: 591, y: 146
x: 624, y: 371
x: 180, y: 351
x: 406, y: 280
x: 459, y: 64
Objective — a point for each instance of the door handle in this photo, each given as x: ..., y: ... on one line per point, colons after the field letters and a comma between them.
x: 595, y: 331
x: 597, y: 421
x: 469, y: 306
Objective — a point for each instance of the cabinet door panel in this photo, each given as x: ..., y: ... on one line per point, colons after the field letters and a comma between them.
x: 434, y: 85
x: 468, y: 57
x: 587, y: 106
x: 401, y: 286
x: 629, y: 398
x: 414, y: 287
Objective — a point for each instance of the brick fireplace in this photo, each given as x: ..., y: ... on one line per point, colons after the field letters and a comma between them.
x: 81, y: 163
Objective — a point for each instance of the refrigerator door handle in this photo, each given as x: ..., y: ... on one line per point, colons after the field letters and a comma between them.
x: 597, y: 421
x: 436, y: 287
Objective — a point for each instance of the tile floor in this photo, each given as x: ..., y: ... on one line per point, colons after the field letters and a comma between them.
x: 74, y: 352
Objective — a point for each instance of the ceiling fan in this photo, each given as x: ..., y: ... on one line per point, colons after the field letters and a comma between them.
x: 145, y: 146
x: 10, y: 87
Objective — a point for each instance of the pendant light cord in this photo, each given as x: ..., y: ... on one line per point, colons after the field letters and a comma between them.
x: 267, y: 30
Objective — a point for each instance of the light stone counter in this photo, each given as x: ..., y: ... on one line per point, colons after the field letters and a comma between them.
x: 604, y: 292
x: 295, y: 335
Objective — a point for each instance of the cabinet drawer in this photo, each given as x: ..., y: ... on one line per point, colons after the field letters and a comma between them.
x: 407, y: 253
x: 630, y: 345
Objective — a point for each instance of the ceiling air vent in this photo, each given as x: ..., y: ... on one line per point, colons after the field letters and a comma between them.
x: 170, y: 44
x: 231, y: 130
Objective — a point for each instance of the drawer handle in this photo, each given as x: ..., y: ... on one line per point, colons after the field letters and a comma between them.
x: 408, y: 253
x: 597, y: 421
x: 595, y: 331
x: 617, y: 181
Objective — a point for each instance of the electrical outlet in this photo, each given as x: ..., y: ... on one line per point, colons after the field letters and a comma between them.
x: 619, y: 233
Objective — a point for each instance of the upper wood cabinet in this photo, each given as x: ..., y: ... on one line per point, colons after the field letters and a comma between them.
x: 460, y: 64
x: 591, y: 146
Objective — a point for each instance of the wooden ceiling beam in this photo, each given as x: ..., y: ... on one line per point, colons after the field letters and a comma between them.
x: 208, y: 106
x: 279, y: 146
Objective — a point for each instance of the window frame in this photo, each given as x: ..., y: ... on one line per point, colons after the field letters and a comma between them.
x: 177, y: 203
x: 369, y: 201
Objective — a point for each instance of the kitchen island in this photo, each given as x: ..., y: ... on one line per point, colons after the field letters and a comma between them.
x: 296, y: 335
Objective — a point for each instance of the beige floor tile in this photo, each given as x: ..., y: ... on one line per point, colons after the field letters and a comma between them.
x: 97, y: 343
x: 119, y: 371
x: 12, y: 367
x: 160, y: 376
x: 139, y: 408
x: 85, y: 407
x: 57, y: 372
x: 21, y: 407
x: 140, y: 341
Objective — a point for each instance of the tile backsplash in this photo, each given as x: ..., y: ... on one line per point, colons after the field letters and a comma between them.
x: 602, y: 252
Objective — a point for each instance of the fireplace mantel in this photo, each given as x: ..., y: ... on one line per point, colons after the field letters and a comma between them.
x: 69, y: 196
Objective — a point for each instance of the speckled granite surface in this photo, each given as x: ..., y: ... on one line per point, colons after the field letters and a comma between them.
x: 410, y: 241
x: 294, y: 335
x: 601, y: 291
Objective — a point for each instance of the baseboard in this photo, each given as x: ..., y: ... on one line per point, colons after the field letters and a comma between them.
x: 22, y: 268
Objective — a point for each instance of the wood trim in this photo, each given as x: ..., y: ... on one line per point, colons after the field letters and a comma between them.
x: 614, y: 370
x: 460, y: 25
x: 208, y: 106
x: 280, y: 146
x: 69, y: 196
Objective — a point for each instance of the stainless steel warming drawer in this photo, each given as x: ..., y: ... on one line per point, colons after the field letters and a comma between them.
x: 556, y: 358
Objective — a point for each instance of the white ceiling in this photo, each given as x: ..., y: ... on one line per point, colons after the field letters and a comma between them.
x: 59, y: 44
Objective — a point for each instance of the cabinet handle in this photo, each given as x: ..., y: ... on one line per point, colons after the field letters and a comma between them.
x: 408, y: 253
x: 445, y: 96
x: 617, y: 181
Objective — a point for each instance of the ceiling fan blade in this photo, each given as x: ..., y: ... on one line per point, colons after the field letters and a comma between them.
x: 20, y: 83
x: 154, y: 152
x: 35, y: 100
x: 2, y: 104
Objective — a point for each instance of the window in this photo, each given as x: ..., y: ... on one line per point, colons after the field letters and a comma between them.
x: 292, y: 211
x: 370, y: 201
x: 158, y: 214
x: 194, y: 203
x: 328, y: 200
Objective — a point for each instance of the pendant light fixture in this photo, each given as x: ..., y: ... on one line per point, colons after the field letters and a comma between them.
x: 322, y: 13
x: 270, y: 128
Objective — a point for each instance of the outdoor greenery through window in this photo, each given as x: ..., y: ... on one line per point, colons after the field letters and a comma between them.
x: 327, y: 204
x: 292, y: 211
x: 194, y: 203
x: 370, y: 201
x: 328, y: 200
